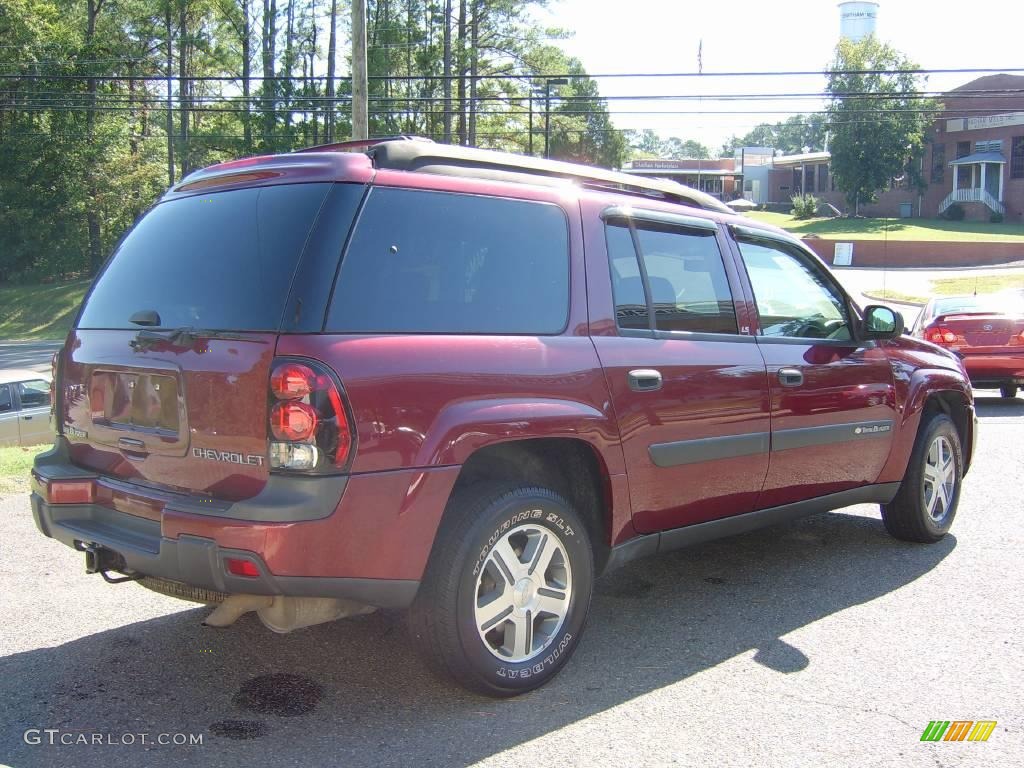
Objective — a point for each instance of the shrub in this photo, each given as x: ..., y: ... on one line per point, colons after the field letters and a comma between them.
x: 955, y: 212
x: 996, y: 218
x: 804, y: 206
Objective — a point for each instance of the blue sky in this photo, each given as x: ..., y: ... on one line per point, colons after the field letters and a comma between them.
x: 748, y: 35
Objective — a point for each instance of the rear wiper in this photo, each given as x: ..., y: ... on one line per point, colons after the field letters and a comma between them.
x: 186, y: 336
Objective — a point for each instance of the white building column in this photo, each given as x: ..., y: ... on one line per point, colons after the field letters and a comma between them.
x: 1002, y: 171
x: 956, y: 178
x: 983, y: 166
x: 974, y: 177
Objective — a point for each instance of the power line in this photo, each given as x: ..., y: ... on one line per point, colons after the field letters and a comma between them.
x: 536, y: 76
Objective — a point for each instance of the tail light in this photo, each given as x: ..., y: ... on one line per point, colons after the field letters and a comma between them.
x: 939, y: 334
x: 1017, y: 340
x: 309, y: 428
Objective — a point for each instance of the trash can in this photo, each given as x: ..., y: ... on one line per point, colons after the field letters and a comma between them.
x: 906, y: 210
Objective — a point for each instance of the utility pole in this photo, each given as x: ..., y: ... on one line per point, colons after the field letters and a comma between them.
x: 547, y: 109
x: 360, y: 124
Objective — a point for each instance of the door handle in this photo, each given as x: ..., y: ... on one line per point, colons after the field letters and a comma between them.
x: 645, y: 380
x: 26, y: 418
x: 790, y: 377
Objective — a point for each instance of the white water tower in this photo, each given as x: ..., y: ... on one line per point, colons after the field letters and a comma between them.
x: 857, y: 20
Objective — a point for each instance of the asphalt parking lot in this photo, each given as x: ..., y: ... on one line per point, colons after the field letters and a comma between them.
x: 819, y: 642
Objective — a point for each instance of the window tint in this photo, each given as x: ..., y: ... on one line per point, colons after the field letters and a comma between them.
x: 422, y: 262
x: 34, y: 393
x: 627, y: 284
x: 689, y: 288
x: 793, y: 300
x: 686, y: 276
x: 6, y: 400
x: 221, y: 261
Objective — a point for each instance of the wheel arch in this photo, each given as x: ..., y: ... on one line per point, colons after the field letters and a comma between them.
x: 568, y: 465
x: 932, y: 391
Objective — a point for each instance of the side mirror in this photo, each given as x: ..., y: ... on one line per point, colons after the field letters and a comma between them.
x: 882, y: 323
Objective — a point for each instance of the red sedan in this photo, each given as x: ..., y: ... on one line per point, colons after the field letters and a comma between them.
x: 986, y: 331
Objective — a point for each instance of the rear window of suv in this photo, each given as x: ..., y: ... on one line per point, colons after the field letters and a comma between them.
x: 220, y: 261
x: 439, y: 262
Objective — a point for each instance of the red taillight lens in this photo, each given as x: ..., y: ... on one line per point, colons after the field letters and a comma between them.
x: 293, y: 421
x: 938, y: 334
x: 292, y: 381
x: 309, y: 423
x: 238, y: 567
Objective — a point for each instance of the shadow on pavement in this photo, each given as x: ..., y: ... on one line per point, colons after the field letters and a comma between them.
x: 367, y: 700
x: 991, y: 405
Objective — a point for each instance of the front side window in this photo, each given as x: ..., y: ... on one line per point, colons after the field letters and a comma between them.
x: 6, y: 401
x: 34, y: 394
x: 688, y: 287
x: 439, y: 262
x: 793, y: 299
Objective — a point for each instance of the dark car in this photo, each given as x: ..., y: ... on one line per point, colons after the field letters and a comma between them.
x: 986, y: 331
x: 467, y: 383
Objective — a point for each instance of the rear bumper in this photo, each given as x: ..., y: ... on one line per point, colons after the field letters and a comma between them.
x: 197, y: 560
x: 995, y: 368
x: 366, y: 537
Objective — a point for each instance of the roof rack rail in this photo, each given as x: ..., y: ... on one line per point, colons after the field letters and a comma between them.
x: 428, y: 157
x: 340, y: 146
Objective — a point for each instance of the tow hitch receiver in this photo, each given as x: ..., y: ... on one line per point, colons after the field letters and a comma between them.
x: 99, y: 560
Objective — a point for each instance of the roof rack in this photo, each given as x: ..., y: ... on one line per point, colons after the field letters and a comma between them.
x: 341, y: 146
x: 425, y: 156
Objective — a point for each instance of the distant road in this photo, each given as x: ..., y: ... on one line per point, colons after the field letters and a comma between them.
x: 34, y: 355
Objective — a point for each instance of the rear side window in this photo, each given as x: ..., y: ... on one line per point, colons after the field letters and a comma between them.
x: 685, y: 275
x: 437, y: 262
x: 222, y: 261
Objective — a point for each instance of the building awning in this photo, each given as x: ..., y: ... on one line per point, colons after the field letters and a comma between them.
x: 980, y: 157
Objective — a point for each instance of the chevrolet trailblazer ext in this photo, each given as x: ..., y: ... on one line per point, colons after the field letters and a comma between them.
x: 466, y: 383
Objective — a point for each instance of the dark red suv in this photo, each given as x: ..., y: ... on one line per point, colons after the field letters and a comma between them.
x: 466, y: 383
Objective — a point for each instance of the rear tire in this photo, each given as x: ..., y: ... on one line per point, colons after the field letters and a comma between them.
x: 926, y: 502
x: 506, y: 593
x: 1008, y: 391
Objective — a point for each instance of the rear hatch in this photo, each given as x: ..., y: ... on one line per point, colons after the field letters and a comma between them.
x: 164, y: 381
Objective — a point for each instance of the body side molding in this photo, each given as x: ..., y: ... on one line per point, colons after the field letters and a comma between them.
x: 677, y: 538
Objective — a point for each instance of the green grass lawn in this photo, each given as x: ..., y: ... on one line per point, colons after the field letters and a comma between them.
x: 39, y: 311
x: 955, y: 286
x: 15, y: 463
x: 895, y: 229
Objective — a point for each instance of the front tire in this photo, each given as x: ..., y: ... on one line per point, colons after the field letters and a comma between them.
x: 506, y: 593
x: 926, y: 503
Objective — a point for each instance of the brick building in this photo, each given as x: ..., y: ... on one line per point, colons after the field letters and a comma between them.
x: 974, y: 157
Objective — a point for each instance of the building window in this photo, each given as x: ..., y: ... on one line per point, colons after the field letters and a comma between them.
x: 809, y: 179
x: 798, y: 188
x: 1017, y: 158
x: 963, y: 149
x: 822, y: 177
x: 938, y: 163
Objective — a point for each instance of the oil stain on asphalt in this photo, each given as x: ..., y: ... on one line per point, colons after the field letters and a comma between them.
x: 279, y: 694
x: 238, y: 729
